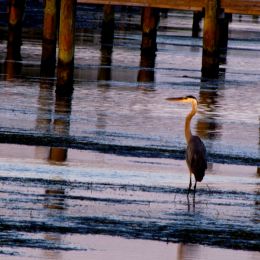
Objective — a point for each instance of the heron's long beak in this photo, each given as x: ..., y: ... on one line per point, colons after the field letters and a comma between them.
x: 175, y: 99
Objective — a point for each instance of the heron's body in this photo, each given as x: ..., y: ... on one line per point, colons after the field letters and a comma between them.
x: 196, y: 158
x: 196, y: 152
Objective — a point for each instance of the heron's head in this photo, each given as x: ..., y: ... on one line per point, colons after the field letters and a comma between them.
x: 187, y: 99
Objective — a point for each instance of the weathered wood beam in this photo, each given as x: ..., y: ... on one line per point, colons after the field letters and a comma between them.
x: 241, y: 6
x: 175, y: 4
x: 230, y: 6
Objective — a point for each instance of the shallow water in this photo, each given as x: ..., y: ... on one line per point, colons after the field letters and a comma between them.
x: 57, y: 207
x: 66, y: 193
x: 109, y: 105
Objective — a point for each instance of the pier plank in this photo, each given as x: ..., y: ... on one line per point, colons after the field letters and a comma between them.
x: 230, y: 6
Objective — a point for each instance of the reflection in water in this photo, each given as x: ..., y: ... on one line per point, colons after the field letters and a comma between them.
x: 146, y: 71
x: 45, y: 105
x: 258, y: 167
x: 54, y: 199
x: 104, y: 72
x: 208, y: 126
x: 13, y: 64
x: 55, y: 206
x: 188, y: 251
x: 61, y: 124
x: 103, y: 80
x: 180, y: 252
x: 191, y: 203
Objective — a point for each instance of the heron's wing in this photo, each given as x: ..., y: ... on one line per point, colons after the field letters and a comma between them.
x: 196, y: 157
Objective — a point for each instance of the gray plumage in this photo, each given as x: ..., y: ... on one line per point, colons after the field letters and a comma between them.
x: 196, y: 157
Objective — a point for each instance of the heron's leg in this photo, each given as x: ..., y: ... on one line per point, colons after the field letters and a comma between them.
x: 189, y: 184
x: 195, y: 187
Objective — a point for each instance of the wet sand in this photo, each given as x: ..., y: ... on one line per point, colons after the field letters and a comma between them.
x: 104, y: 206
x: 97, y: 247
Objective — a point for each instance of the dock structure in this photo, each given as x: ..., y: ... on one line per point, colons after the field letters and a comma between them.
x: 60, y: 15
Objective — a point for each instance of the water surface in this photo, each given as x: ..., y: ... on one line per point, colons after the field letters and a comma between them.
x: 109, y: 159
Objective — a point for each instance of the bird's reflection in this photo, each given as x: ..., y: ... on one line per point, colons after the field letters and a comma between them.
x: 191, y: 203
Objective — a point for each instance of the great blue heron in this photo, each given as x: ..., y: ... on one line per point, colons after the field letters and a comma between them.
x: 196, y: 152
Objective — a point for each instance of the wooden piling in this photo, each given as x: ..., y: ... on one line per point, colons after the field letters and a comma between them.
x: 149, y: 22
x: 108, y: 26
x: 107, y: 40
x: 49, y: 37
x: 15, y: 17
x: 146, y: 72
x: 66, y: 45
x: 197, y: 16
x: 104, y: 72
x: 224, y: 20
x: 210, y: 61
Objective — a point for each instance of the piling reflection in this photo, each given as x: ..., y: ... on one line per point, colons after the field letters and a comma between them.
x: 61, y: 124
x: 258, y: 167
x: 12, y: 65
x: 208, y: 126
x: 55, y: 207
x: 146, y: 71
x: 104, y: 71
x: 45, y: 105
x: 188, y: 251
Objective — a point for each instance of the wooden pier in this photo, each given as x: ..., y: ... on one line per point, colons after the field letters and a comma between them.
x: 59, y: 15
x: 230, y: 6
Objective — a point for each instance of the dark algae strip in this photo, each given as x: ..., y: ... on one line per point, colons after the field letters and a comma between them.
x: 125, y: 150
x: 39, y: 206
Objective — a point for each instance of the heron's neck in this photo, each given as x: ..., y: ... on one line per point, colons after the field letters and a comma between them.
x: 188, y: 134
